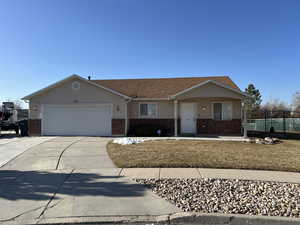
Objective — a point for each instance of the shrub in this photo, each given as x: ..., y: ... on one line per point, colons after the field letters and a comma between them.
x: 147, y: 130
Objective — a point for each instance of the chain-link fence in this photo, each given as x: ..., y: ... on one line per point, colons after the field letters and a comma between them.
x: 273, y: 123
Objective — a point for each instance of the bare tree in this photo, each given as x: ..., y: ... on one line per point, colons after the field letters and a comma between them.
x: 296, y: 101
x: 17, y: 103
x: 276, y: 105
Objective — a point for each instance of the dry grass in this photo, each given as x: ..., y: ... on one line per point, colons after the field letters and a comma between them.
x: 210, y: 154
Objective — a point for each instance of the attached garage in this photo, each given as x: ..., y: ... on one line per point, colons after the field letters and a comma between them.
x: 77, y: 107
x: 91, y: 120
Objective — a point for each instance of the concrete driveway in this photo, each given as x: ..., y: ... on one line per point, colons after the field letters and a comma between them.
x: 64, y: 153
x: 11, y: 147
x: 66, y: 179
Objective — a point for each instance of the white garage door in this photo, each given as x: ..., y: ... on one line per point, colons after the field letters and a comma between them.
x: 92, y: 120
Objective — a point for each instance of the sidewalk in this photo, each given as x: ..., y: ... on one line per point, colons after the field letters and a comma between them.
x: 163, y: 173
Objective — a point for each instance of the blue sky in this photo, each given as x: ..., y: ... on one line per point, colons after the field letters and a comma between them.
x: 252, y: 41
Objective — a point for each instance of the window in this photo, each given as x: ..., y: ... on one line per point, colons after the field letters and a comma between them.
x: 148, y: 109
x: 217, y: 111
x: 222, y: 111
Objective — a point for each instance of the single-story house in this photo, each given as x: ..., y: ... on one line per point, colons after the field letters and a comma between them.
x: 192, y: 105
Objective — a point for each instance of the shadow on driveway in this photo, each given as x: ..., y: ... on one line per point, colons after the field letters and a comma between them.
x: 39, y: 185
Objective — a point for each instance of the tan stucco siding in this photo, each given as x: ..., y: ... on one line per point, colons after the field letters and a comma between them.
x: 210, y: 91
x: 237, y: 110
x: 87, y: 94
x: 165, y: 109
x: 204, y: 108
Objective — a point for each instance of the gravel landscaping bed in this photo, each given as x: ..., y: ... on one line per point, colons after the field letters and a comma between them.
x: 229, y: 196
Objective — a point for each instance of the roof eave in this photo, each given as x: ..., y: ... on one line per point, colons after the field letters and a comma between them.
x: 150, y: 99
x: 43, y: 90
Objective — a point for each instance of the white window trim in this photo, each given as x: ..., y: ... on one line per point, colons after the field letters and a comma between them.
x: 156, y: 111
x: 213, y: 113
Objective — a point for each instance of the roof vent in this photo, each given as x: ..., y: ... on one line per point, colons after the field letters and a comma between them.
x: 76, y: 85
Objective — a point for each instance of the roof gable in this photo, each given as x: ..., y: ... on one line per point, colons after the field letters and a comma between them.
x: 74, y: 76
x: 209, y: 89
x: 204, y: 85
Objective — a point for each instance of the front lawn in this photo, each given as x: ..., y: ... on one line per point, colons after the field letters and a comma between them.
x: 284, y: 156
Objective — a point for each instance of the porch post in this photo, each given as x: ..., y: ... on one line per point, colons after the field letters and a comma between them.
x: 175, y: 118
x: 244, y: 119
x: 126, y: 118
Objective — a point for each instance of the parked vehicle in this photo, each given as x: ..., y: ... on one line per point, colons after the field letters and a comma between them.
x: 9, y: 117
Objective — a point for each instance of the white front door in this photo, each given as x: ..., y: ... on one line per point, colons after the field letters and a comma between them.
x: 188, y: 118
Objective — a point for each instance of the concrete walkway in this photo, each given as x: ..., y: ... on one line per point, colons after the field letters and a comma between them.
x: 164, y: 173
x: 202, y: 138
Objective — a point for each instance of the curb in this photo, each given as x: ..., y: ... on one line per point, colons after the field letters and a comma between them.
x: 176, y: 219
x: 230, y: 219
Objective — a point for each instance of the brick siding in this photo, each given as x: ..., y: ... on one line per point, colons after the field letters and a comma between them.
x: 34, y: 127
x: 210, y: 126
x: 167, y: 124
x: 118, y: 126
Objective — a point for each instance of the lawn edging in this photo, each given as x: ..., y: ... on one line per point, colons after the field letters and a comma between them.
x: 182, y: 218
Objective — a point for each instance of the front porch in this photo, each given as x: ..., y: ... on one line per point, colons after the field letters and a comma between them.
x: 191, y: 117
x: 209, y: 108
x: 207, y: 116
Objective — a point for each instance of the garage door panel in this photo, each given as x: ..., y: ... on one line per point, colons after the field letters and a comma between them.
x: 80, y: 120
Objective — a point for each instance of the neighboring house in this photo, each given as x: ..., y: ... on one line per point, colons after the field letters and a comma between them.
x: 78, y: 106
